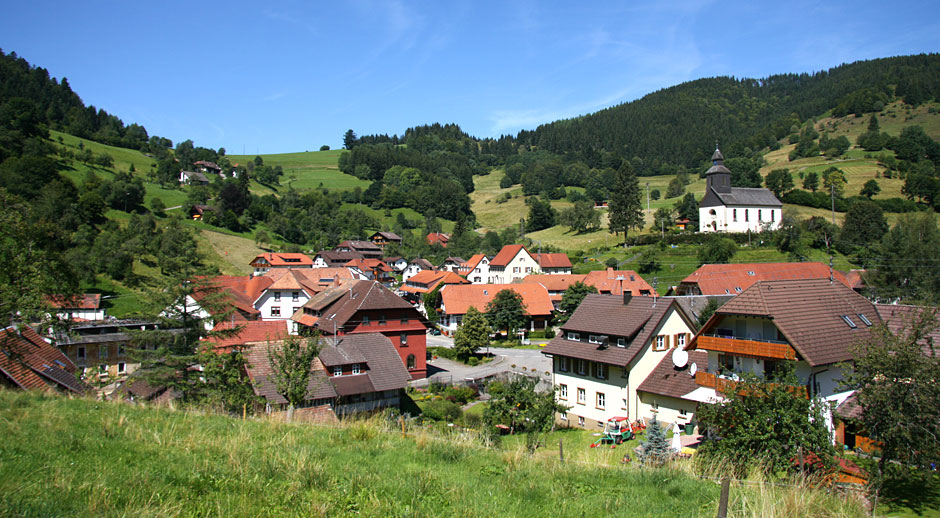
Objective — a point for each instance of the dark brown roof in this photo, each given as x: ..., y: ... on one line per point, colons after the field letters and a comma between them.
x: 384, y: 367
x: 338, y: 305
x: 694, y: 304
x: 607, y: 315
x: 355, y: 384
x: 809, y: 315
x: 30, y: 362
x: 850, y: 409
x: 260, y: 373
x: 424, y: 264
x: 668, y: 380
x: 899, y: 317
x: 334, y: 258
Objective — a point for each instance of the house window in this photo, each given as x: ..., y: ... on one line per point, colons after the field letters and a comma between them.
x: 574, y: 337
x: 275, y: 311
x: 758, y: 214
x: 103, y: 368
x: 515, y: 269
x: 528, y: 269
x: 381, y: 320
x: 355, y: 368
x: 404, y: 321
x: 581, y: 396
x: 563, y: 392
x: 103, y: 351
x: 600, y: 400
x: 595, y: 339
x: 563, y: 363
x: 726, y: 362
x: 771, y: 215
x: 403, y: 339
x: 277, y: 296
x: 654, y: 405
x: 365, y: 320
x: 600, y: 371
x: 580, y: 421
x: 745, y: 215
x: 621, y: 342
x: 563, y: 416
x: 337, y: 371
x: 682, y: 412
x: 122, y: 367
x: 295, y: 296
x: 734, y: 214
x: 410, y: 363
x: 662, y: 342
x: 581, y: 367
x: 680, y: 340
x: 81, y: 353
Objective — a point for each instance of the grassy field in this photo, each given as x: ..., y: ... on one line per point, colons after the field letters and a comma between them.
x: 305, y: 171
x: 114, y: 459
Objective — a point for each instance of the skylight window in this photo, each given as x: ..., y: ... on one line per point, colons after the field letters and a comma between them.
x: 864, y: 319
x: 751, y: 273
x: 737, y: 289
x: 848, y: 320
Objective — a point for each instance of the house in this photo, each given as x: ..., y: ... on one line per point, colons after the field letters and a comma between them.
x: 246, y: 335
x: 415, y: 266
x: 616, y: 282
x: 452, y: 264
x: 197, y: 212
x: 555, y: 284
x: 735, y: 209
x: 382, y: 239
x: 427, y: 281
x: 193, y: 178
x: 290, y: 289
x: 207, y: 167
x: 367, y: 249
x: 100, y: 348
x: 456, y: 299
x: 477, y: 269
x: 356, y: 307
x: 265, y: 262
x: 813, y: 323
x: 352, y: 374
x: 227, y: 297
x: 438, y: 238
x: 732, y: 279
x: 513, y: 262
x: 554, y: 264
x: 334, y: 259
x: 373, y: 270
x: 28, y: 362
x: 397, y: 263
x: 85, y: 307
x: 663, y: 391
x: 607, y: 349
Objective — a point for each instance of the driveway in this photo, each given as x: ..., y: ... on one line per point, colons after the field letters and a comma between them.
x: 523, y: 361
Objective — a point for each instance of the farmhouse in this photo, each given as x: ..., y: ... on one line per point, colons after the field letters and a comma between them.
x: 368, y: 249
x: 512, y: 263
x: 415, y: 266
x: 735, y: 209
x: 85, y: 307
x: 266, y: 262
x: 607, y: 349
x: 30, y: 363
x: 382, y: 239
x: 99, y: 348
x: 477, y: 269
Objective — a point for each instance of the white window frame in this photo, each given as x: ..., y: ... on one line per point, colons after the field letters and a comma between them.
x: 580, y: 420
x: 582, y: 396
x: 574, y: 337
x: 275, y: 311
x: 295, y: 296
x: 595, y: 339
x: 563, y: 392
x: 601, y: 371
x: 337, y: 371
x: 621, y: 342
x: 277, y: 296
x: 563, y: 416
x: 600, y: 401
x: 563, y: 363
x: 355, y: 368
x: 660, y: 343
x: 122, y: 367
x: 680, y: 340
x: 582, y: 367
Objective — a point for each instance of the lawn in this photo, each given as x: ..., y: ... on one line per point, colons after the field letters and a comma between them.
x: 305, y: 171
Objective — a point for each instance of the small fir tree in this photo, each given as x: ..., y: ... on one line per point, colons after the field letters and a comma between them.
x: 655, y: 450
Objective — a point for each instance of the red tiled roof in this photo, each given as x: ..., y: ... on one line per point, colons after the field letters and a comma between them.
x: 553, y: 261
x: 86, y: 301
x: 855, y: 279
x: 725, y: 279
x: 279, y: 259
x: 506, y: 254
x: 251, y: 332
x: 438, y: 237
x: 473, y: 261
x: 554, y: 283
x: 30, y: 362
x: 368, y: 265
x: 457, y: 298
x: 615, y: 282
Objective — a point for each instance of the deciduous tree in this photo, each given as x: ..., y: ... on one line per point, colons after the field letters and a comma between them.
x: 571, y: 299
x: 473, y: 334
x: 291, y: 367
x: 506, y: 312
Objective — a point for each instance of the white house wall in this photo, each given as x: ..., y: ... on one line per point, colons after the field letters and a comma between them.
x: 723, y: 218
x: 666, y: 409
x: 287, y: 304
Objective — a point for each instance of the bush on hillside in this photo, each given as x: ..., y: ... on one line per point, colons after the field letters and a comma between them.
x: 442, y: 410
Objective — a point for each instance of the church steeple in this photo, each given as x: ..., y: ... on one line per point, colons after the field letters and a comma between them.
x: 718, y: 177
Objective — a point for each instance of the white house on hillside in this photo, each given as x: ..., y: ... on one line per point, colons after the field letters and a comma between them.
x: 735, y: 209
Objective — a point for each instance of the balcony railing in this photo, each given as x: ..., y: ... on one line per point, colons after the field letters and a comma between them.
x: 724, y: 385
x: 747, y: 347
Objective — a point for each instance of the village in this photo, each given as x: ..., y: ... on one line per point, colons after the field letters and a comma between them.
x: 623, y: 357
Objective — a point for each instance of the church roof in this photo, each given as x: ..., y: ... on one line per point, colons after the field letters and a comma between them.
x: 749, y: 196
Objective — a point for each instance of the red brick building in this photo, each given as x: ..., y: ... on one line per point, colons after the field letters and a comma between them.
x: 356, y: 307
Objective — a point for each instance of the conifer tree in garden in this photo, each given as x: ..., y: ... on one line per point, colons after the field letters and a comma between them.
x: 626, y: 207
x: 656, y: 450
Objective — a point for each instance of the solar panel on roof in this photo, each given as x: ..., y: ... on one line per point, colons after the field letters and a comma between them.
x: 848, y: 320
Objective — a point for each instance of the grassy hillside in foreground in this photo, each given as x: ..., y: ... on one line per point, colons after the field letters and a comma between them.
x: 114, y: 459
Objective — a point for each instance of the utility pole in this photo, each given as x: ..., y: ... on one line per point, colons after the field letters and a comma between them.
x: 832, y: 198
x: 647, y: 198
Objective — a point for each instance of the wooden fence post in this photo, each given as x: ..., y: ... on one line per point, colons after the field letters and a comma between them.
x: 561, y: 451
x: 723, y: 500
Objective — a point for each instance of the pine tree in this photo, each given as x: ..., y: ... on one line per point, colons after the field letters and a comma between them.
x: 626, y: 207
x: 655, y: 450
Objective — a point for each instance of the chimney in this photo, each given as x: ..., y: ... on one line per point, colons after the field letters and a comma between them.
x: 627, y: 295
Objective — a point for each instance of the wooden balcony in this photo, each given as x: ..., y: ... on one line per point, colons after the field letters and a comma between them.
x: 744, y: 347
x: 710, y: 380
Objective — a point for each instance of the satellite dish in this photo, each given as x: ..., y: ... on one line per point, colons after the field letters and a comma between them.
x: 693, y: 369
x: 680, y: 358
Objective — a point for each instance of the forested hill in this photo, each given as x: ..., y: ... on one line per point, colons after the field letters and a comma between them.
x: 677, y: 127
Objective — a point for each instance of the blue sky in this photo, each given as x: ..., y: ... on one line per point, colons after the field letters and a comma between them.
x: 275, y: 77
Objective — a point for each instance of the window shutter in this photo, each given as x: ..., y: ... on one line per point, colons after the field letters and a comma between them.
x: 666, y: 341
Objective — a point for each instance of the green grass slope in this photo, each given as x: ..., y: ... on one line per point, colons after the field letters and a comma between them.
x: 307, y: 170
x: 113, y: 459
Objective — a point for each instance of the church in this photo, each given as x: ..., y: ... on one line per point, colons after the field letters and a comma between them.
x: 735, y: 209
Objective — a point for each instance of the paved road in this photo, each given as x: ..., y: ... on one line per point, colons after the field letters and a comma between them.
x: 516, y: 360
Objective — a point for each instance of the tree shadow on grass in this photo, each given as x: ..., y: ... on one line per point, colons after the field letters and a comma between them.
x: 918, y: 491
